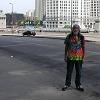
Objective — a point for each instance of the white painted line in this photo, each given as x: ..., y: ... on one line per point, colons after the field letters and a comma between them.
x: 98, y: 53
x: 27, y: 44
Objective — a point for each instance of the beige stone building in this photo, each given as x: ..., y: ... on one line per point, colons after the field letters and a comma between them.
x: 2, y: 20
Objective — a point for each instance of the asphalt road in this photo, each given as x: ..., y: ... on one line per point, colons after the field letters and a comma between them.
x: 34, y: 69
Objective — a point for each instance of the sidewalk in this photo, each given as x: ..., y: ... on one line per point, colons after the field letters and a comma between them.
x: 88, y: 36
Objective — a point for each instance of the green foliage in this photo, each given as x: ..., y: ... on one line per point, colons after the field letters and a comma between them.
x: 36, y: 22
x: 25, y: 22
x: 66, y: 26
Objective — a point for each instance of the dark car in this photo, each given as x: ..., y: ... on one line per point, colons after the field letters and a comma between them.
x: 29, y: 33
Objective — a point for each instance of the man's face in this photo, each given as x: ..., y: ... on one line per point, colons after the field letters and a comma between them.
x: 76, y: 31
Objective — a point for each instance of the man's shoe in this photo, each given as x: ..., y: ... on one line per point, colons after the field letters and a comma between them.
x: 65, y: 88
x: 80, y: 88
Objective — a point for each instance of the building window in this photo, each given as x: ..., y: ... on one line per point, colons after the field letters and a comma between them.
x: 60, y: 22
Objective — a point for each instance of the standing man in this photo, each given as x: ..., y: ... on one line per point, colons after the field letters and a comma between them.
x: 74, y: 54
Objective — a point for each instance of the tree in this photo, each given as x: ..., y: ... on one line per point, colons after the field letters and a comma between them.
x: 20, y: 22
x: 37, y: 22
x: 66, y: 26
x: 25, y: 22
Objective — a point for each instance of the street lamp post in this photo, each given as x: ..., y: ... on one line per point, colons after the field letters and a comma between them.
x: 71, y: 13
x: 12, y: 17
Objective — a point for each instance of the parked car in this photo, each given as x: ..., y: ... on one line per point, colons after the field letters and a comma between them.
x: 29, y: 33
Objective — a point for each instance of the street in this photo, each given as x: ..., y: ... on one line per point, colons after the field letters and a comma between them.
x: 34, y: 69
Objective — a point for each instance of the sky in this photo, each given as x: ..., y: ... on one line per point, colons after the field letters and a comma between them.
x: 20, y: 6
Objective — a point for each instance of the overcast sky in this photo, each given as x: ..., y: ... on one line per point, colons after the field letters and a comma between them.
x: 20, y: 6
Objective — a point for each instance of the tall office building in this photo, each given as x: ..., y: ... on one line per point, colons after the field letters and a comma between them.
x: 37, y: 8
x: 91, y: 12
x: 84, y: 12
x: 40, y: 9
x: 96, y: 12
x: 29, y: 15
x: 58, y: 12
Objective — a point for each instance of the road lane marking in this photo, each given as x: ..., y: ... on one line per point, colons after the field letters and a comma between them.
x: 27, y: 44
x: 97, y: 53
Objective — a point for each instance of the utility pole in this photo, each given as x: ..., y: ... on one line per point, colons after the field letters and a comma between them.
x: 71, y: 14
x: 12, y: 17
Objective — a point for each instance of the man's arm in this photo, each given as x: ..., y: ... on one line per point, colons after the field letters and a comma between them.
x: 65, y: 53
x: 83, y: 46
x: 66, y: 42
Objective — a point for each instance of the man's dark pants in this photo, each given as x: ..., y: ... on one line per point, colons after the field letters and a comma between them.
x: 78, y: 68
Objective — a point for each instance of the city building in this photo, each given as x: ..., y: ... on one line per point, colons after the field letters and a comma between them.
x: 97, y: 21
x: 59, y: 13
x: 93, y: 12
x: 29, y: 15
x: 40, y: 9
x: 16, y: 18
x: 97, y: 25
x: 2, y: 20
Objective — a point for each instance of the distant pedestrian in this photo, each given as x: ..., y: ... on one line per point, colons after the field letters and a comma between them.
x: 74, y: 54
